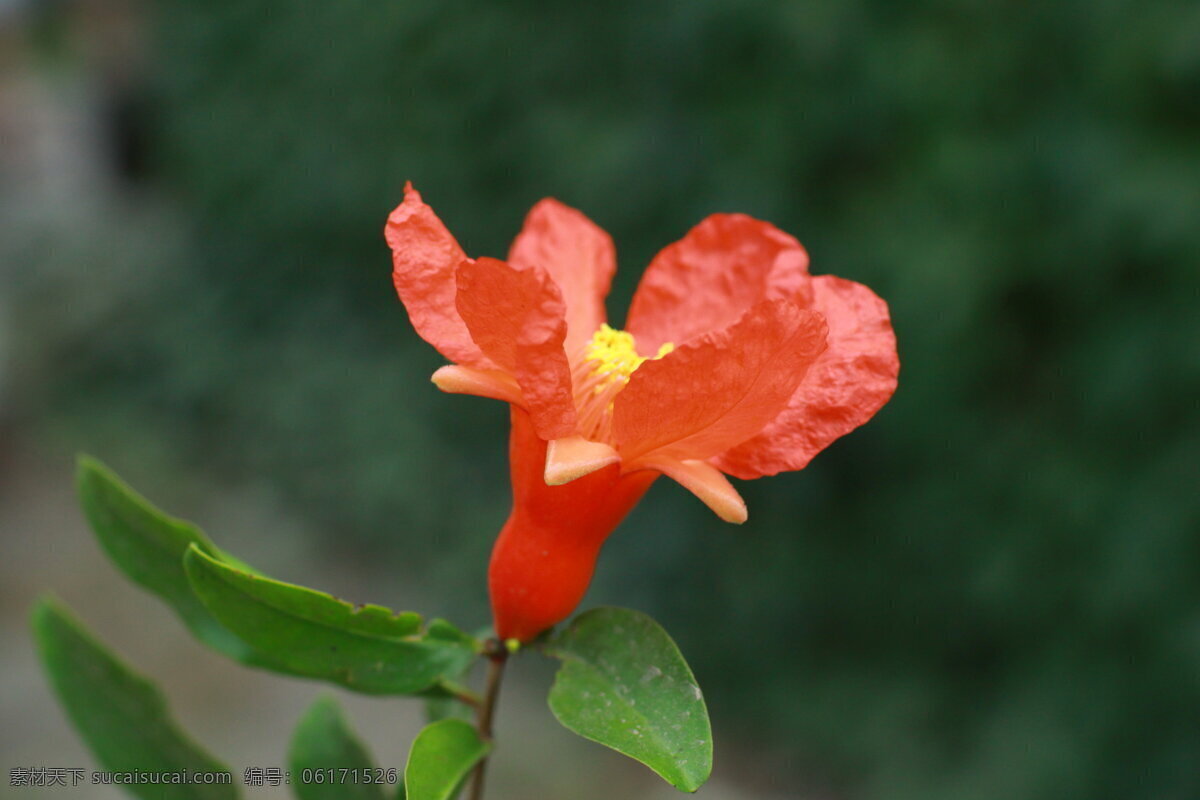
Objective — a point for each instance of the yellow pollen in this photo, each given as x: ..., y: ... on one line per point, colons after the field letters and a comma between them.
x: 614, y: 355
x: 608, y: 360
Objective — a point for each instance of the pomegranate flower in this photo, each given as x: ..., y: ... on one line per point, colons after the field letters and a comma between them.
x: 734, y: 360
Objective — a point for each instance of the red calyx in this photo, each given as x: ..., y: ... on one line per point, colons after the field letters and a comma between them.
x: 544, y: 557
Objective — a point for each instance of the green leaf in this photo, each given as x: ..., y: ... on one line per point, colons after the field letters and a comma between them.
x: 148, y: 546
x: 445, y: 631
x: 623, y: 683
x: 121, y: 715
x: 324, y: 745
x: 312, y: 634
x: 443, y: 701
x: 441, y: 756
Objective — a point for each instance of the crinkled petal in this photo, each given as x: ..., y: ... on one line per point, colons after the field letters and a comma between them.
x: 707, y: 396
x: 577, y: 254
x: 516, y: 318
x: 711, y: 277
x: 574, y: 457
x: 492, y: 383
x: 424, y: 259
x: 707, y: 483
x: 849, y: 382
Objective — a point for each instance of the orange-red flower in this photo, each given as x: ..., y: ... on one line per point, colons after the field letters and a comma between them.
x: 734, y: 360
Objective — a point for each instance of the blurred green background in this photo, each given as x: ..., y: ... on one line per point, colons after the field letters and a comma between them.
x: 992, y: 591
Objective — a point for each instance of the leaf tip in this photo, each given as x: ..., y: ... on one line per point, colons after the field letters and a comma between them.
x: 87, y: 471
x: 45, y: 608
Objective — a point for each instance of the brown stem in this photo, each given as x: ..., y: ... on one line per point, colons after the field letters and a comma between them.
x: 497, y: 655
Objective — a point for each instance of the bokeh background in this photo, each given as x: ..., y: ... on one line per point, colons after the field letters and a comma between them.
x: 990, y: 592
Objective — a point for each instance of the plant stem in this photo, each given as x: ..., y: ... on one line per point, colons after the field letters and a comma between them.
x: 497, y: 655
x: 462, y: 694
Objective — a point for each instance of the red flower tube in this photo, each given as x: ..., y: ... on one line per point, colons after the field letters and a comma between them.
x: 735, y: 360
x: 543, y: 561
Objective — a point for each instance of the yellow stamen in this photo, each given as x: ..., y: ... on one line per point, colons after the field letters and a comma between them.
x: 609, y: 358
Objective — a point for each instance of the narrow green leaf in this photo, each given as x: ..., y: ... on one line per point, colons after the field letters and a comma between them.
x: 148, y: 546
x: 623, y: 683
x: 312, y: 634
x: 122, y: 716
x: 448, y: 632
x: 441, y: 756
x: 442, y: 701
x: 328, y: 762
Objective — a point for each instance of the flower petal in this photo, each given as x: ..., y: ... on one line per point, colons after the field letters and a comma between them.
x: 706, y: 482
x: 424, y: 259
x: 497, y: 385
x: 719, y: 390
x: 515, y: 317
x: 577, y: 254
x: 711, y: 277
x: 845, y: 387
x: 573, y: 457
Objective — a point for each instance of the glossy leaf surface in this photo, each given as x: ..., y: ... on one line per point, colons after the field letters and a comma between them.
x: 441, y: 757
x: 624, y: 684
